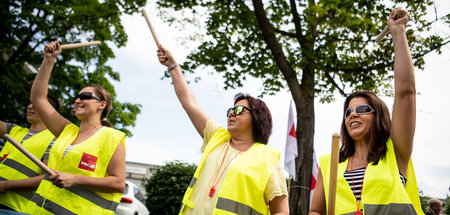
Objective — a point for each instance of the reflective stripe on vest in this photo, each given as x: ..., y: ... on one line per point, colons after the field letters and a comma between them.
x: 392, y: 208
x: 20, y: 167
x: 23, y: 193
x: 192, y: 183
x: 235, y: 207
x: 91, y: 196
x: 50, y: 206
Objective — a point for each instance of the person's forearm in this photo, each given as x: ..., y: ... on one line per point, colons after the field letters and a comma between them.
x: 40, y: 84
x: 110, y: 184
x: 182, y: 89
x: 24, y: 184
x: 403, y: 64
x: 2, y: 128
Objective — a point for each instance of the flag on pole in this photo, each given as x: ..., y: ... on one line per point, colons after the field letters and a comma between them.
x: 314, y: 172
x: 291, y: 145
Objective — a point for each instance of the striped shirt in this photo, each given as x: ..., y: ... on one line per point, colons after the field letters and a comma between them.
x: 358, y: 176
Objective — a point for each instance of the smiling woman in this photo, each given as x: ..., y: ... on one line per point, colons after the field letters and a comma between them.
x: 89, y: 160
x: 238, y: 172
x: 375, y: 172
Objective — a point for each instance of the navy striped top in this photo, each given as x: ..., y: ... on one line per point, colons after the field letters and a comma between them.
x: 356, y: 185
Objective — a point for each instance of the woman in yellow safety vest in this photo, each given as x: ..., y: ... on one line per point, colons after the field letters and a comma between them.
x: 375, y: 172
x: 238, y: 172
x: 89, y: 160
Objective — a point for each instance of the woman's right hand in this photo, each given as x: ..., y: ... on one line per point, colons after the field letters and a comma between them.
x: 52, y: 50
x: 165, y: 57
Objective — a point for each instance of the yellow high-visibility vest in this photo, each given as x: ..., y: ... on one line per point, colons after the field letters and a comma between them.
x: 17, y: 166
x: 382, y: 192
x: 90, y: 158
x: 253, y: 169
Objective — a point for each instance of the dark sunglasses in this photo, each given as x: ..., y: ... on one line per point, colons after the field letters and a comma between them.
x: 237, y: 110
x: 360, y: 109
x: 87, y: 96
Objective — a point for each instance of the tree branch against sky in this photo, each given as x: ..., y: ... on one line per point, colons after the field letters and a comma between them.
x: 313, y: 48
x: 28, y: 25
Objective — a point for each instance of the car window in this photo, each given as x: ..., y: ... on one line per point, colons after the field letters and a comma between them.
x: 138, y: 194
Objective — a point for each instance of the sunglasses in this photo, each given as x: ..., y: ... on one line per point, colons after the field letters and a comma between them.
x: 87, y: 96
x: 360, y: 109
x: 237, y: 110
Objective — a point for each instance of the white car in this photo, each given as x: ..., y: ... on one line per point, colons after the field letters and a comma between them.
x: 132, y: 202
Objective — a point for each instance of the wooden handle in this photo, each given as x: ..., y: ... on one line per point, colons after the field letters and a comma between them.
x: 78, y: 45
x: 29, y: 155
x: 333, y: 173
x: 385, y: 31
x: 151, y: 28
x: 382, y: 34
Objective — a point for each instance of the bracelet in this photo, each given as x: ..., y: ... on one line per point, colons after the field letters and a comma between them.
x: 172, y: 67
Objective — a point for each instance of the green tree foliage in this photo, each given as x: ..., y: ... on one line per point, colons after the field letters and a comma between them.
x: 314, y: 48
x: 27, y: 25
x: 423, y: 201
x: 166, y: 187
x: 446, y: 205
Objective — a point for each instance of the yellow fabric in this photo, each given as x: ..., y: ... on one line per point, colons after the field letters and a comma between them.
x: 102, y: 145
x: 382, y: 187
x: 36, y: 145
x: 201, y: 202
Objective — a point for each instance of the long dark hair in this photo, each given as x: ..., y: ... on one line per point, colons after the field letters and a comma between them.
x: 378, y: 134
x: 262, y: 119
x: 105, y: 96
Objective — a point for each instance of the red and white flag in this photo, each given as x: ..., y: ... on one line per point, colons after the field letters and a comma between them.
x: 291, y: 151
x: 315, y: 170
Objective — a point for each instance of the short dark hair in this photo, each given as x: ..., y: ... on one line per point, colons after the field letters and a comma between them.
x: 53, y: 101
x: 262, y: 119
x: 379, y: 132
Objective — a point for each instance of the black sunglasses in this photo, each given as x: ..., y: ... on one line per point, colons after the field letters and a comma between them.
x: 237, y: 110
x: 360, y: 109
x: 87, y: 96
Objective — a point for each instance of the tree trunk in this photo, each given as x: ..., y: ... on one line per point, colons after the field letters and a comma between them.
x: 300, y: 189
x: 303, y: 95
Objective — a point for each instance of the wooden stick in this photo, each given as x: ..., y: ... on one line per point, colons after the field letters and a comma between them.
x: 333, y: 174
x: 151, y: 28
x: 29, y: 155
x: 78, y: 45
x: 386, y: 30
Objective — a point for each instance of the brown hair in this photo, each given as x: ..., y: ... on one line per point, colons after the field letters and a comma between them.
x: 103, y: 94
x: 262, y: 119
x: 378, y: 134
x: 53, y: 101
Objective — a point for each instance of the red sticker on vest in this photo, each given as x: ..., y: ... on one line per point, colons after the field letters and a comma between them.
x: 4, y: 156
x: 88, y: 162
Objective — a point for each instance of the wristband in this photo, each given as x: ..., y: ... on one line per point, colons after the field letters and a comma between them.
x: 172, y: 67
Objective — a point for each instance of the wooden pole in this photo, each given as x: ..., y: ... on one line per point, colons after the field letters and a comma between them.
x: 29, y: 155
x: 333, y: 173
x: 78, y: 45
x: 151, y: 28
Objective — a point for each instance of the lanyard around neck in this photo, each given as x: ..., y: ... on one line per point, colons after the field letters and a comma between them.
x: 213, y: 187
x: 358, y: 212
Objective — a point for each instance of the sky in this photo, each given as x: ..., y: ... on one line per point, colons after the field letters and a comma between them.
x: 164, y: 133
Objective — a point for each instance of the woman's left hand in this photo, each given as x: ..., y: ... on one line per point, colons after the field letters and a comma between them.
x: 62, y: 179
